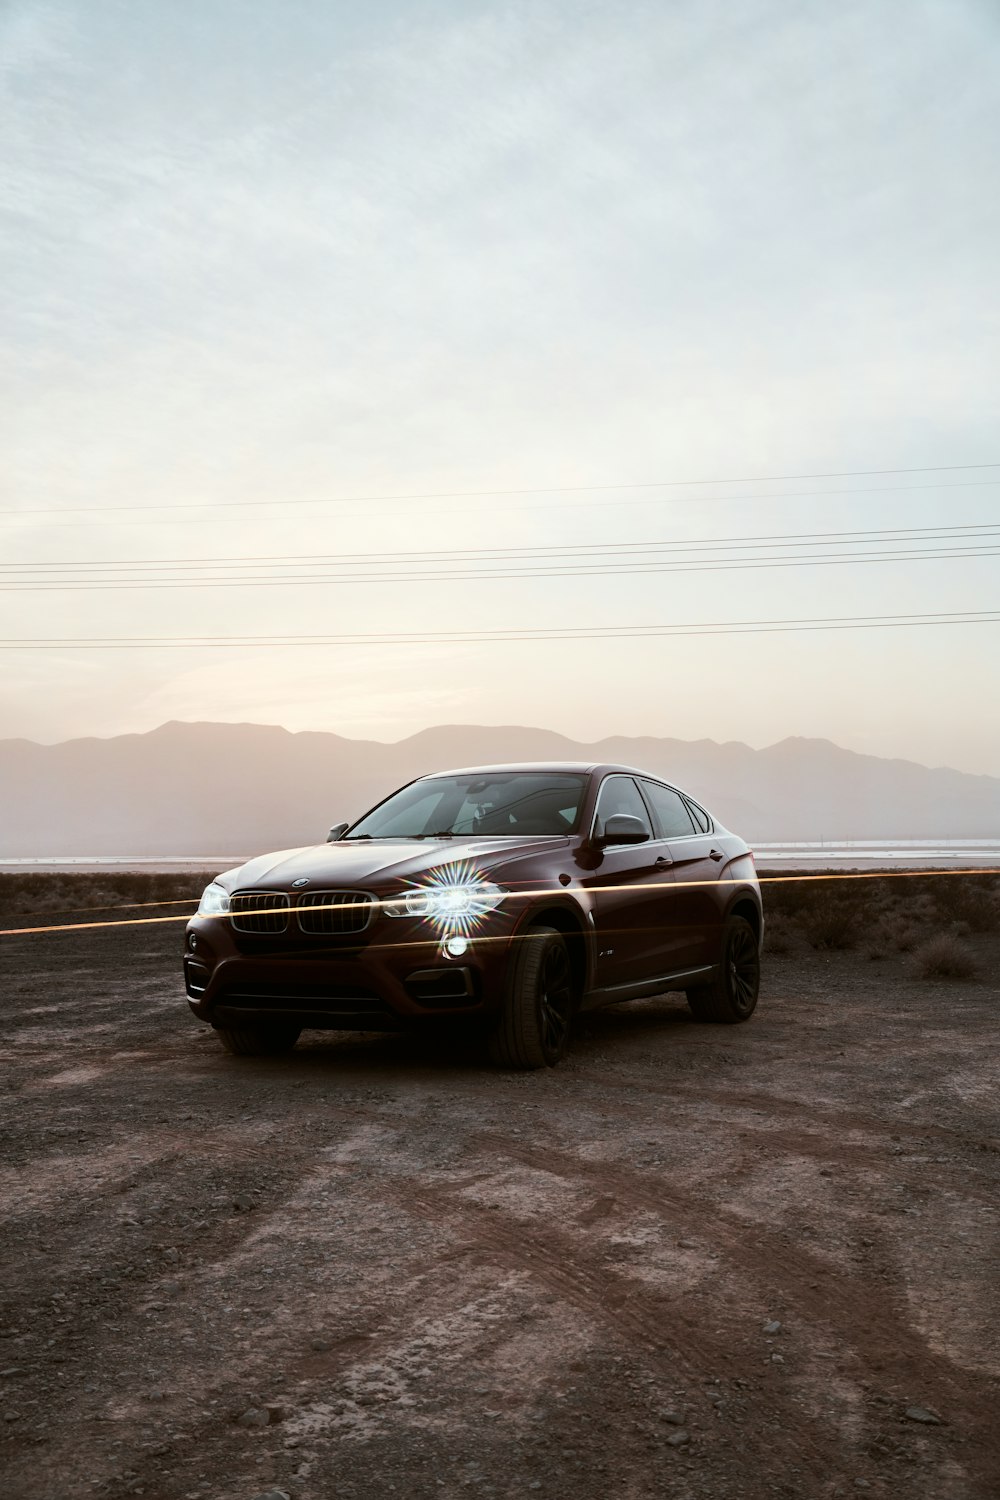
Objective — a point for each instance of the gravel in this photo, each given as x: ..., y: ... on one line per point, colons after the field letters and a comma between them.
x: 383, y: 1240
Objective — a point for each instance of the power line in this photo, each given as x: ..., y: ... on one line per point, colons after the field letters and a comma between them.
x: 460, y: 637
x: 576, y: 506
x: 897, y: 534
x: 576, y: 570
x: 552, y: 489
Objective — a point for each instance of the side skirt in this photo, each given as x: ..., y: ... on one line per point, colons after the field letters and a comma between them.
x: 681, y: 979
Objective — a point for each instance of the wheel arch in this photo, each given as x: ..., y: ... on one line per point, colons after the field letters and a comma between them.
x: 745, y: 906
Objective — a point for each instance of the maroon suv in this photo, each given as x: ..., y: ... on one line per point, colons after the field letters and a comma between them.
x: 509, y: 897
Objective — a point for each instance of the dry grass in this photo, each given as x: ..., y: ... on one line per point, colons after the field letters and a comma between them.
x: 74, y: 895
x: 969, y: 899
x: 883, y: 917
x: 834, y: 925
x: 779, y: 934
x: 944, y: 957
x: 894, y: 932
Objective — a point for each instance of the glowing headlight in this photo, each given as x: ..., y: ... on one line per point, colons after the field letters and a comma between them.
x: 214, y: 901
x: 448, y: 905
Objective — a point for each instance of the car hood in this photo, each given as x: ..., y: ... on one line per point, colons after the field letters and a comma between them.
x: 351, y: 864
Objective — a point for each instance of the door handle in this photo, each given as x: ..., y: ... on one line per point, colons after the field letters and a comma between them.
x: 715, y: 854
x: 662, y: 860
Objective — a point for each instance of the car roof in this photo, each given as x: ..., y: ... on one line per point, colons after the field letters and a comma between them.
x: 578, y: 766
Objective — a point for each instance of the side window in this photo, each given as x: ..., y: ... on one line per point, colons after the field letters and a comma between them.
x: 670, y: 811
x: 619, y: 794
x: 701, y: 819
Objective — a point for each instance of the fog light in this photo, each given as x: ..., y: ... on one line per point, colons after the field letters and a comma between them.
x: 192, y: 941
x: 456, y: 946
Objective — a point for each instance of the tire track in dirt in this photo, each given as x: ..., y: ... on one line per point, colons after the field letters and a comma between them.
x: 809, y: 1112
x: 883, y: 1334
x: 808, y: 1141
x: 107, y: 1336
x: 653, y: 1323
x: 219, y: 1441
x: 876, y: 1326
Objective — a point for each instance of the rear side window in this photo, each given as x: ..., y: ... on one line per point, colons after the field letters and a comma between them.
x: 701, y: 818
x: 669, y: 810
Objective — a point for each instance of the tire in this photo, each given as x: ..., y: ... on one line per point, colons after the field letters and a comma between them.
x: 732, y: 995
x: 258, y: 1041
x: 534, y: 1026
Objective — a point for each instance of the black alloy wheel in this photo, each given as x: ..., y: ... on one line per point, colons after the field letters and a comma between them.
x: 731, y: 996
x: 555, y: 1000
x: 743, y: 961
x: 534, y: 1025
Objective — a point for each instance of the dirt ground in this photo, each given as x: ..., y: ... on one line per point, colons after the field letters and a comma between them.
x: 691, y: 1262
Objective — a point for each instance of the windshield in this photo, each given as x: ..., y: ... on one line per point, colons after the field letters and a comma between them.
x: 514, y: 804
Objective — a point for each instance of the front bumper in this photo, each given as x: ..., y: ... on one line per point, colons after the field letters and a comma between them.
x: 399, y: 976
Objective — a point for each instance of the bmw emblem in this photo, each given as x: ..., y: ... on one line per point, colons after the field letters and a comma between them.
x: 298, y: 884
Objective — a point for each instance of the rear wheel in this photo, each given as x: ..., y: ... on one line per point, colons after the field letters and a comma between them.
x: 732, y: 995
x: 533, y: 1030
x: 258, y: 1041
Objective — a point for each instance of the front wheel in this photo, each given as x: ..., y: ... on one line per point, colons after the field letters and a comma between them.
x: 258, y: 1041
x: 533, y: 1030
x: 732, y: 995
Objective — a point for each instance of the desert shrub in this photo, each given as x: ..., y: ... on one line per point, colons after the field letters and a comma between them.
x: 898, y: 930
x: 829, y: 911
x: 37, y: 892
x: 786, y: 898
x: 835, y: 924
x: 778, y: 934
x: 944, y: 957
x: 877, y: 943
x: 972, y: 899
x: 907, y: 937
x: 882, y: 916
x: 877, y: 895
x: 795, y: 898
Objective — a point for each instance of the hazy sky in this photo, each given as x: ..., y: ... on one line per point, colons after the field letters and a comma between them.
x: 287, y: 253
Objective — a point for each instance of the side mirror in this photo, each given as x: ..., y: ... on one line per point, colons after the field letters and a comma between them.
x: 337, y: 831
x: 623, y: 828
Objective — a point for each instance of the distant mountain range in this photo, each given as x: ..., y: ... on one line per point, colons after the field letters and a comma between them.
x: 245, y: 788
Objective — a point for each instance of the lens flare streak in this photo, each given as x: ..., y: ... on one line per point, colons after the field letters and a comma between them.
x: 479, y: 882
